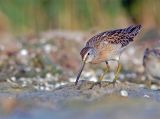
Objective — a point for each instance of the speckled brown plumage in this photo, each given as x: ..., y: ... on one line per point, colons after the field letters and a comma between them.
x: 119, y: 36
x: 107, y: 46
x: 110, y: 42
x: 151, y: 63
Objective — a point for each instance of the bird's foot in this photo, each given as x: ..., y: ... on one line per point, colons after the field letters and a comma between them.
x: 100, y: 84
x: 96, y: 83
x: 111, y: 83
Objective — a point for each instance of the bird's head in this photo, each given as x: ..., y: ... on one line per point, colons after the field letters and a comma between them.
x: 151, y: 55
x: 88, y: 54
x: 145, y: 57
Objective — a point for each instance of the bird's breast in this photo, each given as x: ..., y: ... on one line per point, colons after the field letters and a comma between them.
x: 100, y: 58
x: 106, y: 56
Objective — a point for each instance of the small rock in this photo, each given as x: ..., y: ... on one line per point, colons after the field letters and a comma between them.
x: 42, y: 88
x: 146, y: 96
x: 47, y: 48
x: 154, y: 87
x: 93, y: 78
x: 48, y: 75
x: 124, y: 93
x: 141, y: 85
x: 72, y: 79
x: 13, y: 78
x: 24, y: 52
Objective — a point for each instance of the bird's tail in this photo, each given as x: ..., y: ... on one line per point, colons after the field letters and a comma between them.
x: 132, y: 31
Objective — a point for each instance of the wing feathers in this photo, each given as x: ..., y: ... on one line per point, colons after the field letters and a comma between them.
x: 119, y: 36
x: 132, y: 31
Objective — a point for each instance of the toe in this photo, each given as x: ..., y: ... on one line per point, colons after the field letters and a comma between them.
x: 96, y: 83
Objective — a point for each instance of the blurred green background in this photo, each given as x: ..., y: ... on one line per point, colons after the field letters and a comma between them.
x: 30, y: 16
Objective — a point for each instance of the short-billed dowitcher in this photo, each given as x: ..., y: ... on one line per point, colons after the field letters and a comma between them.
x: 107, y: 46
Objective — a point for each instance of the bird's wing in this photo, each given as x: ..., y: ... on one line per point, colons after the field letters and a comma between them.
x: 111, y: 43
x: 119, y: 37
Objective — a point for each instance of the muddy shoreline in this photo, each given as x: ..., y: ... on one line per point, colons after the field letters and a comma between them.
x: 67, y: 101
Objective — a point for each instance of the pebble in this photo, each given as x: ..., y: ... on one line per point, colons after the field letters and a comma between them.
x: 24, y: 52
x: 93, y: 78
x: 48, y: 75
x: 57, y: 85
x: 47, y: 48
x: 141, y: 85
x: 60, y: 84
x: 13, y: 78
x: 72, y: 79
x: 154, y: 87
x: 124, y: 93
x: 146, y: 96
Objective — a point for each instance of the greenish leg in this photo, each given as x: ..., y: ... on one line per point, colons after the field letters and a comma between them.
x: 101, y: 77
x: 106, y: 71
x: 117, y: 73
x: 148, y: 81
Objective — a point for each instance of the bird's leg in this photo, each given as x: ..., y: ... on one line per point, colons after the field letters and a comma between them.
x: 148, y: 83
x: 105, y: 71
x: 108, y: 67
x: 101, y: 77
x: 148, y: 80
x: 117, y: 73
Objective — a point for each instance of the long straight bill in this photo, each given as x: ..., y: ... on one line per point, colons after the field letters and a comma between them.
x: 79, y: 74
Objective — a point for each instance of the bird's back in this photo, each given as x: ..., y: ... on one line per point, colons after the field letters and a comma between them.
x: 119, y: 36
x: 109, y: 44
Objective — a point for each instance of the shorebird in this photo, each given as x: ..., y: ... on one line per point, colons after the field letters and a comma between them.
x: 151, y: 63
x: 107, y: 46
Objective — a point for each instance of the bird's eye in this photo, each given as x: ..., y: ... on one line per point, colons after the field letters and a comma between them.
x: 88, y: 53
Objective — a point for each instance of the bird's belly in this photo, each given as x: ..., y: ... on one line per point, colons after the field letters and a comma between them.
x: 115, y: 56
x: 106, y: 57
x: 97, y: 61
